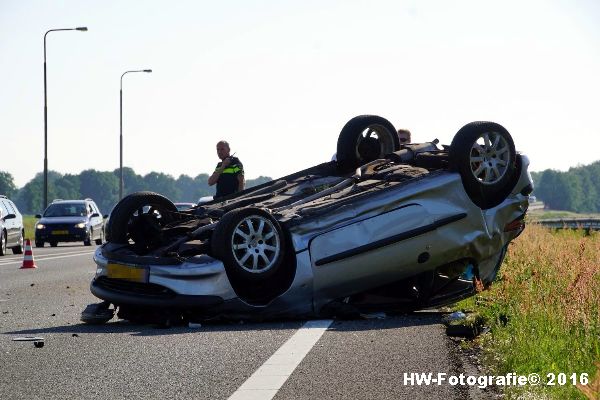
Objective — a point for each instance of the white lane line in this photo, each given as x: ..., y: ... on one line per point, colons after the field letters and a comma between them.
x: 268, y: 379
x: 44, y: 258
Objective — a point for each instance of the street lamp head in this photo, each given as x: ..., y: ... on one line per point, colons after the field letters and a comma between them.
x: 81, y: 28
x: 147, y: 70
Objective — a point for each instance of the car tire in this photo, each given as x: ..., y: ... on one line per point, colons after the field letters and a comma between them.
x: 53, y: 244
x: 250, y: 243
x: 365, y: 138
x: 88, y: 240
x: 100, y: 240
x: 2, y: 243
x: 39, y: 244
x: 18, y: 249
x: 124, y: 216
x: 484, y: 155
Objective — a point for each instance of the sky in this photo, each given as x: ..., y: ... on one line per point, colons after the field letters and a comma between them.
x: 279, y: 79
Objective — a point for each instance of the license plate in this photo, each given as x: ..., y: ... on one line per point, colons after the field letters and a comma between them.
x: 127, y: 272
x: 60, y: 232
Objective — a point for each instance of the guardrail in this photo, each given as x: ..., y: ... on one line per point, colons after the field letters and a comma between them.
x: 571, y: 223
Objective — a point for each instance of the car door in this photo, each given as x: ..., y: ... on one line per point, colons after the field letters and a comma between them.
x: 370, y: 252
x: 3, y: 213
x: 18, y: 225
x: 9, y: 223
x: 96, y: 222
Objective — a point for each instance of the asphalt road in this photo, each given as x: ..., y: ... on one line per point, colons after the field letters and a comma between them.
x: 361, y: 359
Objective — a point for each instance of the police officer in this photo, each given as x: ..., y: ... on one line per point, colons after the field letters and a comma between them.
x: 229, y: 174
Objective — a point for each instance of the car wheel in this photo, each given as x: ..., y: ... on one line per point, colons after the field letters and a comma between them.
x: 2, y: 243
x: 100, y: 240
x: 250, y: 243
x: 88, y: 239
x: 365, y: 138
x: 39, y: 244
x: 140, y: 217
x: 18, y: 249
x: 53, y: 244
x: 484, y: 155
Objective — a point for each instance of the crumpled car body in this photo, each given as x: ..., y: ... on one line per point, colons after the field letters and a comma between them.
x: 402, y: 229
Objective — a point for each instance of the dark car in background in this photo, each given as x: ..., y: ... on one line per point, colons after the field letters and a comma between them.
x: 11, y: 227
x: 70, y: 221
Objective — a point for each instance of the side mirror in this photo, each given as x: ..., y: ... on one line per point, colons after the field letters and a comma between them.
x: 10, y: 216
x: 38, y: 216
x: 94, y: 215
x: 105, y: 216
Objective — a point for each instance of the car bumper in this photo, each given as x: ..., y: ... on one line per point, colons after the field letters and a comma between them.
x: 61, y: 235
x: 122, y: 293
x: 199, y: 282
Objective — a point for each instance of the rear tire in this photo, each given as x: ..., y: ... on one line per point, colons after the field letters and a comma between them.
x: 3, y: 241
x: 365, y: 138
x: 18, y: 249
x: 484, y: 155
x: 100, y: 240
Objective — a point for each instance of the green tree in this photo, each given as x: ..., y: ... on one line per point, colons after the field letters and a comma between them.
x: 163, y: 184
x: 7, y: 184
x: 257, y: 181
x: 102, y: 187
x: 30, y: 198
x: 132, y: 182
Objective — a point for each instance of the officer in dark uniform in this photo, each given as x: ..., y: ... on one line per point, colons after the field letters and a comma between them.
x: 229, y: 174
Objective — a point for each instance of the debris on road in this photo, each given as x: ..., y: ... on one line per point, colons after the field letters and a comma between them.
x: 97, y: 313
x: 455, y: 316
x: 459, y: 324
x: 37, y: 341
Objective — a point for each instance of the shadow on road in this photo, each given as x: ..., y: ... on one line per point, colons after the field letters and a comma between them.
x: 346, y: 325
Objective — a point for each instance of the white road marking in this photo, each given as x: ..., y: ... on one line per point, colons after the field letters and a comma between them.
x: 268, y: 379
x: 49, y: 257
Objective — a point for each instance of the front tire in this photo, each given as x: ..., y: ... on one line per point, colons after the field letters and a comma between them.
x: 250, y: 243
x: 88, y: 240
x: 140, y: 217
x: 53, y: 244
x: 39, y: 243
x: 484, y: 155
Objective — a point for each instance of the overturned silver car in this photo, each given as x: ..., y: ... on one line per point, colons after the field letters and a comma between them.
x: 386, y: 226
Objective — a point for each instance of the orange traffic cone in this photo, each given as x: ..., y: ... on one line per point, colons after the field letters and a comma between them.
x: 28, y: 261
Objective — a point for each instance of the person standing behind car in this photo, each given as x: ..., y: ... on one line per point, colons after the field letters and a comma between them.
x: 404, y: 136
x: 229, y: 174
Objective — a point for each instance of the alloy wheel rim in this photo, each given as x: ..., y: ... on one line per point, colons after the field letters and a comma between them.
x: 255, y: 244
x: 489, y: 158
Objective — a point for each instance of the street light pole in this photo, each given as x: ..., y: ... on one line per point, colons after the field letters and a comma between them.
x: 82, y: 29
x: 121, y: 131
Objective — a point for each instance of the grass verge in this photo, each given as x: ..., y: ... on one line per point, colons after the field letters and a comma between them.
x: 29, y: 224
x: 544, y: 311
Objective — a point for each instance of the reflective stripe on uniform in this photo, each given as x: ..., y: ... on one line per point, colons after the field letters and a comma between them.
x: 231, y: 170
